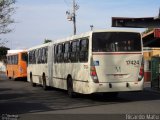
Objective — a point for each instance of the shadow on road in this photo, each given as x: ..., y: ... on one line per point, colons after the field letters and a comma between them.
x: 17, y: 97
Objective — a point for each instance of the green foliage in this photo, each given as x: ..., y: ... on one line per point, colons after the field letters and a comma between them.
x: 6, y: 11
x: 147, y: 30
x: 3, y: 53
x: 47, y: 41
x: 2, y: 42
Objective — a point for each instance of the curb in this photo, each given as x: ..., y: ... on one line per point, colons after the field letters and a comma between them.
x: 147, y: 87
x: 152, y: 90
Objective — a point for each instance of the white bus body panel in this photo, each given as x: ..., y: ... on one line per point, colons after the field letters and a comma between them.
x: 119, y: 67
x: 112, y: 69
x: 37, y: 70
x: 78, y: 71
x: 116, y: 87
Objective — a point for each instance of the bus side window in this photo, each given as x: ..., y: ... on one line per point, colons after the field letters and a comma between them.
x: 38, y: 52
x: 30, y: 57
x: 12, y: 60
x: 38, y: 56
x: 78, y: 51
x: 73, y: 51
x: 83, y: 57
x: 35, y: 57
x: 57, y: 59
x: 16, y: 59
x: 46, y: 55
x: 55, y: 54
x: 60, y: 53
x: 42, y: 55
x: 66, y: 52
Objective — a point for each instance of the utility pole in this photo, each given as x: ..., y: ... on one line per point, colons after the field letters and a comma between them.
x: 74, y: 17
x: 91, y: 26
x: 71, y: 16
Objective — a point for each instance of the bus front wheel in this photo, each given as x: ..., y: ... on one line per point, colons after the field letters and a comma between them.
x: 70, y: 90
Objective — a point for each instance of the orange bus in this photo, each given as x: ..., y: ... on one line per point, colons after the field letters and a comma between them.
x: 16, y: 64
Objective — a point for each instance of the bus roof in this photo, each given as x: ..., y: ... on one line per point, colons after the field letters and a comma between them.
x: 39, y: 46
x: 10, y: 52
x: 87, y: 34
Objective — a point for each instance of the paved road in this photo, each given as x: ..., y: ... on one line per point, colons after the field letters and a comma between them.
x: 2, y: 76
x: 19, y: 98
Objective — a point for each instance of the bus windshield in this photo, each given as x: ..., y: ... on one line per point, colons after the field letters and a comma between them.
x: 24, y: 57
x: 116, y: 42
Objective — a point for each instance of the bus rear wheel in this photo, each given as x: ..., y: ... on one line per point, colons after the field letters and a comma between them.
x: 44, y: 82
x: 70, y: 90
x: 31, y: 80
x: 7, y: 75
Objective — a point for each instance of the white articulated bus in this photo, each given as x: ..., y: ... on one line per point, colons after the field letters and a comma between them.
x: 93, y: 62
x: 37, y: 69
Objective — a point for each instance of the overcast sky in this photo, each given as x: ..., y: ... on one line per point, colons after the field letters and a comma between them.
x: 37, y: 20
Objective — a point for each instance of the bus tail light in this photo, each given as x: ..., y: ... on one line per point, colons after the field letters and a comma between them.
x: 141, y: 72
x: 94, y: 74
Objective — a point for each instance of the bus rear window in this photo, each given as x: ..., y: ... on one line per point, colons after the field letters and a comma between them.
x: 116, y: 42
x: 24, y: 57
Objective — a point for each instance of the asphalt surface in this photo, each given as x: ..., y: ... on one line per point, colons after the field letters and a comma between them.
x: 19, y: 98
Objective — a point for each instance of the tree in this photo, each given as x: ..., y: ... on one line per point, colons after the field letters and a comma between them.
x: 6, y: 11
x: 47, y: 41
x: 3, y: 52
x: 3, y: 42
x: 147, y: 30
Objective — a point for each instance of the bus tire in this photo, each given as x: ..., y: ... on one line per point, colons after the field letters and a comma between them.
x: 7, y: 74
x: 44, y: 82
x: 13, y: 76
x: 31, y: 80
x: 70, y: 90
